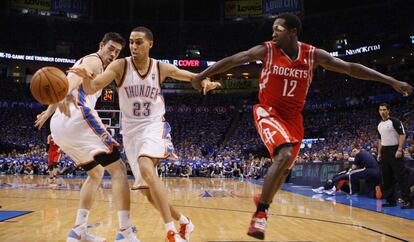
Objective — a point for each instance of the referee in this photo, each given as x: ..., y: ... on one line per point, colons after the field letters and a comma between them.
x: 390, y: 144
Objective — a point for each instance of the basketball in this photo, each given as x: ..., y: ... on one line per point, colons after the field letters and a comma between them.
x: 49, y: 85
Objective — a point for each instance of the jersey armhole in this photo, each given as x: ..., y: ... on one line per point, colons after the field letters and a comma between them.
x: 123, y: 74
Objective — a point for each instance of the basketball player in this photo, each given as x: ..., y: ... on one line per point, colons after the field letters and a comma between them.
x: 288, y: 67
x: 53, y: 158
x: 146, y: 134
x: 84, y: 138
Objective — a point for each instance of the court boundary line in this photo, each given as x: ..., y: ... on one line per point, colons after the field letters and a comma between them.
x: 22, y: 214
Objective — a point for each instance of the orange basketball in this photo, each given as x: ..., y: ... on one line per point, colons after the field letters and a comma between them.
x: 49, y: 85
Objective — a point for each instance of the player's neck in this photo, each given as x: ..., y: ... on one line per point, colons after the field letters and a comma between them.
x: 292, y: 50
x: 142, y: 64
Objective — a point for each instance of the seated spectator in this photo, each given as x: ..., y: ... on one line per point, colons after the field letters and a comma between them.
x: 364, y: 167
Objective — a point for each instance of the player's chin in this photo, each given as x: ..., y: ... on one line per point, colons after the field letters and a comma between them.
x: 277, y: 43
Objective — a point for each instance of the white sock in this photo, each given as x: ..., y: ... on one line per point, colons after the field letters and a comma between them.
x: 82, y: 216
x: 183, y: 219
x: 124, y: 220
x: 170, y: 226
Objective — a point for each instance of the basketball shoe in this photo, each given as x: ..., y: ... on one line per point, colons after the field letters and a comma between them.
x: 258, y: 225
x: 81, y: 233
x: 127, y: 235
x: 174, y: 237
x: 186, y: 230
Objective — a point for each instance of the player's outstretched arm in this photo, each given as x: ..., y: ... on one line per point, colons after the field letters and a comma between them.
x: 253, y: 54
x: 168, y: 70
x: 91, y: 85
x: 359, y: 71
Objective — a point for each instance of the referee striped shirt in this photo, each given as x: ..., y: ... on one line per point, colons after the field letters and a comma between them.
x: 389, y: 131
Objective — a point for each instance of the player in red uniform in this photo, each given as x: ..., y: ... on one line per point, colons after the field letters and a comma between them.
x: 53, y: 158
x: 285, y: 78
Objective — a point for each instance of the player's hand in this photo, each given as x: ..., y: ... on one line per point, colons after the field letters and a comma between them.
x: 42, y: 118
x: 402, y: 87
x: 398, y: 154
x: 378, y: 157
x: 208, y: 85
x: 196, y: 82
x: 81, y: 72
x: 64, y: 105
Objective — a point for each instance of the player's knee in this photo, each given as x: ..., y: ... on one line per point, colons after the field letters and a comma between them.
x: 283, y: 153
x: 117, y: 170
x: 147, y: 172
x: 96, y: 174
x: 105, y: 159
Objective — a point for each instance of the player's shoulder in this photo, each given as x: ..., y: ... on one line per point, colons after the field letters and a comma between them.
x: 394, y: 119
x: 91, y: 61
x: 91, y: 58
x: 118, y: 65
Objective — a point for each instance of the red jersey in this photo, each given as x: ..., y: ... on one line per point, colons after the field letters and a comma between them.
x: 283, y: 82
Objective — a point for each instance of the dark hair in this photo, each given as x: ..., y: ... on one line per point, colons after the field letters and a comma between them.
x: 115, y: 37
x: 291, y: 21
x: 385, y: 105
x: 147, y: 31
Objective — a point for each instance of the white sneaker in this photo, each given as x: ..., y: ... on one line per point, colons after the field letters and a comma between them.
x: 318, y: 190
x: 331, y: 192
x: 127, y: 235
x: 186, y: 230
x: 81, y: 233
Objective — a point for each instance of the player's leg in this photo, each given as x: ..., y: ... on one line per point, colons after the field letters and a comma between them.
x: 159, y: 195
x: 279, y: 141
x: 87, y: 194
x: 55, y: 162
x: 139, y: 182
x: 120, y: 193
x: 186, y: 226
x: 277, y: 173
x: 51, y: 168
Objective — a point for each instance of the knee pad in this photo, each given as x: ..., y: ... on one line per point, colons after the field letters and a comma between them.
x: 90, y: 165
x: 105, y: 159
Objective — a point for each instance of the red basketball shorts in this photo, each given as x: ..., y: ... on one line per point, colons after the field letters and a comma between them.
x: 276, y: 131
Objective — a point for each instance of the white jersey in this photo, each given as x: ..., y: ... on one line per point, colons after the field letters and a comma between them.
x: 140, y: 97
x: 83, y: 99
x: 82, y: 135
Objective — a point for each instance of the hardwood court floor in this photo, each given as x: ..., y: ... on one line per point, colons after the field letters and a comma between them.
x: 220, y: 209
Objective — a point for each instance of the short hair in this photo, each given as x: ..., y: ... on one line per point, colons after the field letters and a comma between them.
x: 385, y: 105
x: 291, y: 21
x: 146, y: 31
x: 115, y: 37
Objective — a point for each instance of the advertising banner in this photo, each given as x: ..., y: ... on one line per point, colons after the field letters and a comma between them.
x: 32, y: 4
x: 273, y: 7
x: 242, y: 8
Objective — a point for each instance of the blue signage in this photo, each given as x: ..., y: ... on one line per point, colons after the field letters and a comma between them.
x: 282, y: 6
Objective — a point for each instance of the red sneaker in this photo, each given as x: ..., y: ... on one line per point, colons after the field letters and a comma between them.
x: 258, y: 225
x: 186, y: 230
x: 174, y: 237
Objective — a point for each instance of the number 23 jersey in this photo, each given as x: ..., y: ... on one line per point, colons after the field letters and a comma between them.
x: 140, y: 97
x: 284, y: 82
